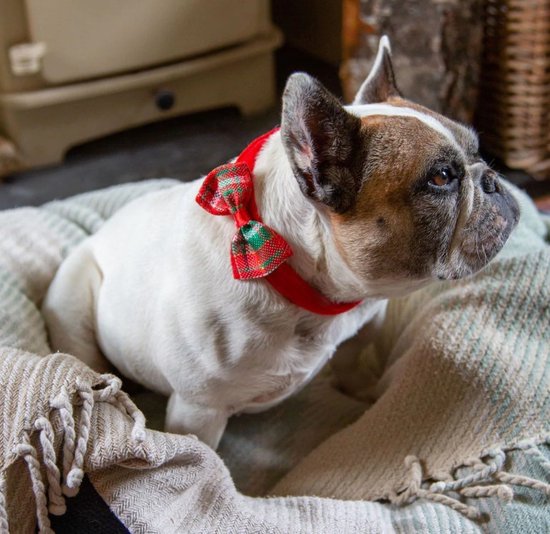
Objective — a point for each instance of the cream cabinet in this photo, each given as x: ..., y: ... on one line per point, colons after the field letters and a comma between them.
x: 74, y: 70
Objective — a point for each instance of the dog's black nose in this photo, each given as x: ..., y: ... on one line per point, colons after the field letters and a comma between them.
x: 489, y: 182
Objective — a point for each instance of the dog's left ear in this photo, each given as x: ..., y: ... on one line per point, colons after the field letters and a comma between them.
x: 380, y: 83
x: 320, y: 139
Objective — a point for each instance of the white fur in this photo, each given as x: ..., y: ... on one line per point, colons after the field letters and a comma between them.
x: 466, y: 208
x: 389, y: 110
x: 163, y: 306
x: 383, y: 46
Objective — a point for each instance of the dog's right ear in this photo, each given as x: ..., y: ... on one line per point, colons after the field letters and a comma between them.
x: 380, y: 83
x: 320, y: 139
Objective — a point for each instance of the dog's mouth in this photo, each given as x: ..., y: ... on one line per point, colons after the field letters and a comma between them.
x: 484, y: 236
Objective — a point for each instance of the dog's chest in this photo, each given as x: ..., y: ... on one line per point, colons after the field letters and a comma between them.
x: 288, y: 368
x: 290, y: 363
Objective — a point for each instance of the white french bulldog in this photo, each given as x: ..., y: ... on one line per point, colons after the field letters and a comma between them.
x: 375, y: 200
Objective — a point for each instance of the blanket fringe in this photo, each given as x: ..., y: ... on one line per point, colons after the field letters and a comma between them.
x: 64, y: 408
x: 57, y: 504
x: 26, y: 451
x: 66, y: 482
x: 415, y: 491
x: 4, y: 525
x: 488, y: 479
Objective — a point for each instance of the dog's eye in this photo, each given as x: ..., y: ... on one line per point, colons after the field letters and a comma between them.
x: 443, y: 177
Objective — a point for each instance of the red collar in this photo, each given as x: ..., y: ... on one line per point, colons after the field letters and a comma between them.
x: 284, y: 279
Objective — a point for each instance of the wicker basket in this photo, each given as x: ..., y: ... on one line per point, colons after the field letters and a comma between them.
x: 514, y: 104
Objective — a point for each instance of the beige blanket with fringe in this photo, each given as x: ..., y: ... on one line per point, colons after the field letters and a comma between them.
x: 460, y: 412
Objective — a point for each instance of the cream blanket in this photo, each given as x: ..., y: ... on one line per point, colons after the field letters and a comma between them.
x: 458, y: 429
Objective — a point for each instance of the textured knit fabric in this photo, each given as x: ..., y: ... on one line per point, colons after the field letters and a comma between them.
x: 455, y: 440
x: 465, y: 364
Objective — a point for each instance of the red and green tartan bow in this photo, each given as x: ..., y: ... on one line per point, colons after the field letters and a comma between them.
x: 256, y: 249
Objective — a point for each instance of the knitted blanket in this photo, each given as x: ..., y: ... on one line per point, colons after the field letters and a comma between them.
x: 463, y: 374
x: 449, y: 424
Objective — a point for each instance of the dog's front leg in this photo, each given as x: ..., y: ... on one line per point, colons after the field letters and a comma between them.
x: 206, y: 423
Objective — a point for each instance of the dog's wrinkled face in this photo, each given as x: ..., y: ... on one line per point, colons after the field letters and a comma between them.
x: 405, y: 190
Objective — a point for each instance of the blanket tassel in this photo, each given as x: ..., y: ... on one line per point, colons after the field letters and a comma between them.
x: 474, y: 485
x: 50, y: 497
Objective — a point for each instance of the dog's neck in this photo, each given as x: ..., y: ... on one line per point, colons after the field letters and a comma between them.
x: 305, y: 226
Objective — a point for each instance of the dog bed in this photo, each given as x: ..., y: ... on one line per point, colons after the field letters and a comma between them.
x: 451, y: 434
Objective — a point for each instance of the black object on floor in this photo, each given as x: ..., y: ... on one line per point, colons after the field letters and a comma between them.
x: 87, y: 513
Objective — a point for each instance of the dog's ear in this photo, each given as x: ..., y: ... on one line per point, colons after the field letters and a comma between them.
x: 380, y: 83
x: 320, y: 138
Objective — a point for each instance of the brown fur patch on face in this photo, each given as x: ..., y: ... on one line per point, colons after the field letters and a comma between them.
x: 387, y: 234
x: 403, y: 228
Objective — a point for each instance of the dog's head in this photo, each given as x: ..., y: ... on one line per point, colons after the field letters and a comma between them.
x: 405, y: 190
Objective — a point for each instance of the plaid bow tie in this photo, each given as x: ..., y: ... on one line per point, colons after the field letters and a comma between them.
x: 256, y: 249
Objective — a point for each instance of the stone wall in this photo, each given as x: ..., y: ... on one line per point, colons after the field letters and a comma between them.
x: 436, y: 49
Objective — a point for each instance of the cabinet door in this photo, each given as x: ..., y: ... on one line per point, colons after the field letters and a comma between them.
x: 94, y: 38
